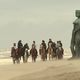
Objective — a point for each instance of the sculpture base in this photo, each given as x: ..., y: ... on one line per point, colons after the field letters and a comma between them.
x: 72, y: 58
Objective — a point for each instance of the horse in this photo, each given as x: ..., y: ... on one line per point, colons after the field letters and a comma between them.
x: 21, y: 52
x: 34, y: 54
x: 24, y: 53
x: 27, y: 54
x: 14, y: 55
x: 51, y: 53
x: 51, y: 50
x: 42, y: 52
x: 59, y: 53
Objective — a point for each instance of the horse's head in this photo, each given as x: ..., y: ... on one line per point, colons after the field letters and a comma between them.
x: 26, y: 46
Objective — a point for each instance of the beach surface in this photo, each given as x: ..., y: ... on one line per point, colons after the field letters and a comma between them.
x: 48, y: 70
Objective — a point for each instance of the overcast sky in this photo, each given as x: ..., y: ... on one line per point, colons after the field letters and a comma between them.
x: 30, y: 20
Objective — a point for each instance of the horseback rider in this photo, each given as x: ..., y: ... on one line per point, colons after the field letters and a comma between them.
x: 19, y: 50
x: 44, y: 44
x: 59, y: 44
x: 34, y: 52
x: 51, y: 48
x: 20, y: 45
x: 51, y: 44
x: 34, y: 44
x: 14, y: 53
x: 24, y: 51
x: 45, y: 47
x: 59, y: 50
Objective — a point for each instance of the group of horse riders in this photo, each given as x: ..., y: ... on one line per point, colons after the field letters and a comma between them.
x: 54, y: 50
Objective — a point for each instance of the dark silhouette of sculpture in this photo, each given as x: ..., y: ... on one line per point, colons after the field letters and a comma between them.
x: 75, y: 41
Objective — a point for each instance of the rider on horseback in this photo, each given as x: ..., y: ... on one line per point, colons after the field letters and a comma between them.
x: 51, y: 43
x: 51, y: 48
x: 34, y: 52
x: 45, y: 47
x: 34, y: 44
x: 59, y: 50
x: 19, y: 50
x: 20, y: 45
x: 44, y: 44
x: 14, y: 54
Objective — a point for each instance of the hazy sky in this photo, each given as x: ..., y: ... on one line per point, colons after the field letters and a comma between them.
x: 30, y: 20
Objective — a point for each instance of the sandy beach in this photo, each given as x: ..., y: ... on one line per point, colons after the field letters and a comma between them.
x: 49, y: 70
x: 39, y: 28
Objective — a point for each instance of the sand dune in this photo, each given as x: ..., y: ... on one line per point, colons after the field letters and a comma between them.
x: 49, y: 70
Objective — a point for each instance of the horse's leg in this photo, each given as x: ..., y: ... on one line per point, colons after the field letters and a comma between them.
x: 19, y: 57
x: 32, y: 59
x: 13, y: 60
x: 42, y: 57
x: 49, y: 53
x: 57, y: 55
x: 23, y: 58
x: 61, y: 55
x: 52, y: 55
x: 46, y: 56
x: 18, y: 60
x: 26, y: 58
x: 49, y: 56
